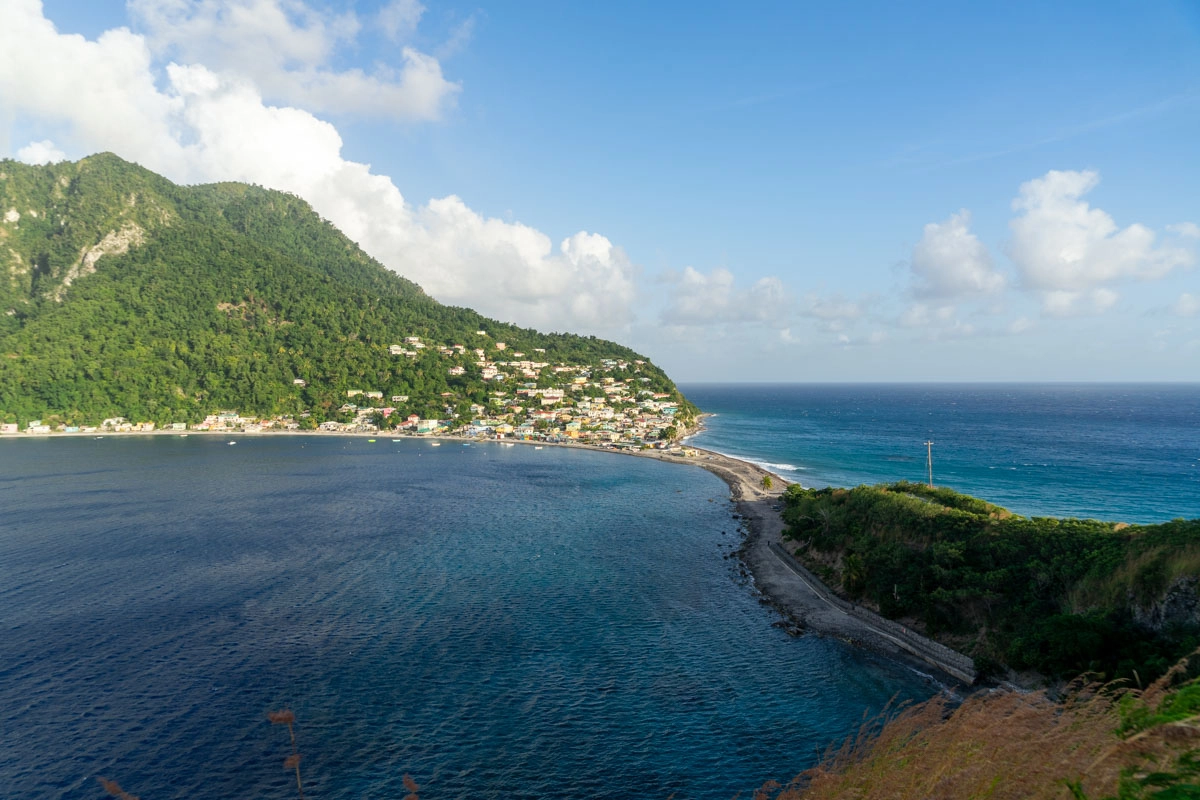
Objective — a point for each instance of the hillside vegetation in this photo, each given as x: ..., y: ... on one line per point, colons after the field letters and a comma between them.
x: 124, y: 294
x: 1056, y: 596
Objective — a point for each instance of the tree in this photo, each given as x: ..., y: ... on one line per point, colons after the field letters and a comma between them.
x: 767, y: 483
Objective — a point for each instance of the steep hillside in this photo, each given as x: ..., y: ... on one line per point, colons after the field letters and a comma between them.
x: 124, y: 294
x: 1058, y: 596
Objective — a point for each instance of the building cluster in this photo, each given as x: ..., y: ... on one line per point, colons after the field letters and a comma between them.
x: 583, y: 404
x: 528, y: 399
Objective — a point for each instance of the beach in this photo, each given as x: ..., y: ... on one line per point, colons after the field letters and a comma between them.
x: 784, y: 585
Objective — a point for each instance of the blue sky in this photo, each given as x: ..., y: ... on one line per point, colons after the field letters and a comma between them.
x: 771, y: 191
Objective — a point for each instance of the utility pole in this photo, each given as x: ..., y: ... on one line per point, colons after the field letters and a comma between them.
x: 929, y: 461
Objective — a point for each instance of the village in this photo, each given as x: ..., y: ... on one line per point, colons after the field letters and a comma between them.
x: 528, y: 399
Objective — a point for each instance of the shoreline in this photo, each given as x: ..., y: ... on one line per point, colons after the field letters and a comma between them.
x: 780, y: 582
x: 797, y: 595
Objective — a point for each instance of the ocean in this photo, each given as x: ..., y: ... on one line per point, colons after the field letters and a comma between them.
x: 1117, y: 452
x: 494, y: 621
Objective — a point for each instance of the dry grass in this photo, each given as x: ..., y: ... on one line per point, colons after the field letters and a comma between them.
x: 114, y: 790
x: 286, y: 717
x: 1012, y: 745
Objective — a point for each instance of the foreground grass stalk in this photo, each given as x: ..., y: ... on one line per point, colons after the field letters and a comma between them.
x: 286, y: 717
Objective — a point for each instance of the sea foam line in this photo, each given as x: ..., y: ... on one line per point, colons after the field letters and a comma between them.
x: 767, y: 465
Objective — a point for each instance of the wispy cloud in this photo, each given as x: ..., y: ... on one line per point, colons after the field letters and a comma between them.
x: 1062, y: 135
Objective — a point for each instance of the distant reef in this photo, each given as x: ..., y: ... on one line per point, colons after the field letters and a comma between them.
x: 1054, y: 597
x: 125, y: 295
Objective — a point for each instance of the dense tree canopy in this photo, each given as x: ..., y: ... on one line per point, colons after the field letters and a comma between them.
x: 1059, y: 596
x: 220, y: 296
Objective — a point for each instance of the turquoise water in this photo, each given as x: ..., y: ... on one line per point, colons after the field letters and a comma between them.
x: 497, y: 622
x: 1116, y: 452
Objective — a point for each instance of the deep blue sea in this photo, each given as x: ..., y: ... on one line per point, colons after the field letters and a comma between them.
x: 495, y: 621
x: 1117, y: 452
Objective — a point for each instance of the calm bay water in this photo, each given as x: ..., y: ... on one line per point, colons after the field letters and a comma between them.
x: 1116, y: 452
x: 498, y: 622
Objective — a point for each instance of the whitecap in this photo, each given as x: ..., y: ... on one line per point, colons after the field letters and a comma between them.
x: 770, y: 467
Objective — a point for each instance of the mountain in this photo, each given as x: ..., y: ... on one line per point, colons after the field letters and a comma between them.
x: 123, y: 294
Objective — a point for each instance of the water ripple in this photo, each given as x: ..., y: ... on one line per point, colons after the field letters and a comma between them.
x: 494, y: 622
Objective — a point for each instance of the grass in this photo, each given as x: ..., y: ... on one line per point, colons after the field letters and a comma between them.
x: 1099, y: 742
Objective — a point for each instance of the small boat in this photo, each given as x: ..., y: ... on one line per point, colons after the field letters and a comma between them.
x: 435, y: 444
x: 539, y: 447
x: 369, y: 441
x: 231, y: 444
x: 397, y: 440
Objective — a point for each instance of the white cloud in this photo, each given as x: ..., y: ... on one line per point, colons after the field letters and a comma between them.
x: 1061, y: 303
x: 832, y: 314
x: 399, y: 19
x: 922, y: 315
x: 103, y: 90
x: 460, y: 36
x: 1188, y: 305
x: 207, y: 126
x: 287, y: 48
x: 712, y: 299
x: 43, y: 152
x: 1061, y: 244
x: 830, y: 308
x: 1188, y: 230
x: 950, y: 261
x: 1021, y: 325
x: 936, y: 322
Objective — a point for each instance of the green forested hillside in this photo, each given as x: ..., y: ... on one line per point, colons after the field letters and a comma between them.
x: 1059, y: 596
x: 124, y: 294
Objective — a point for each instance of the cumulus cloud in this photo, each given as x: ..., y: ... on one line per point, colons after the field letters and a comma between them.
x: 712, y: 299
x: 205, y: 125
x: 922, y: 315
x: 103, y: 90
x: 1060, y: 244
x: 936, y: 322
x: 287, y: 49
x: 832, y: 314
x: 1061, y: 303
x: 1189, y: 230
x: 43, y: 152
x: 1188, y: 305
x: 950, y: 261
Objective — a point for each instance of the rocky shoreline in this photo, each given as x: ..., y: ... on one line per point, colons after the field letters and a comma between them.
x: 805, y: 604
